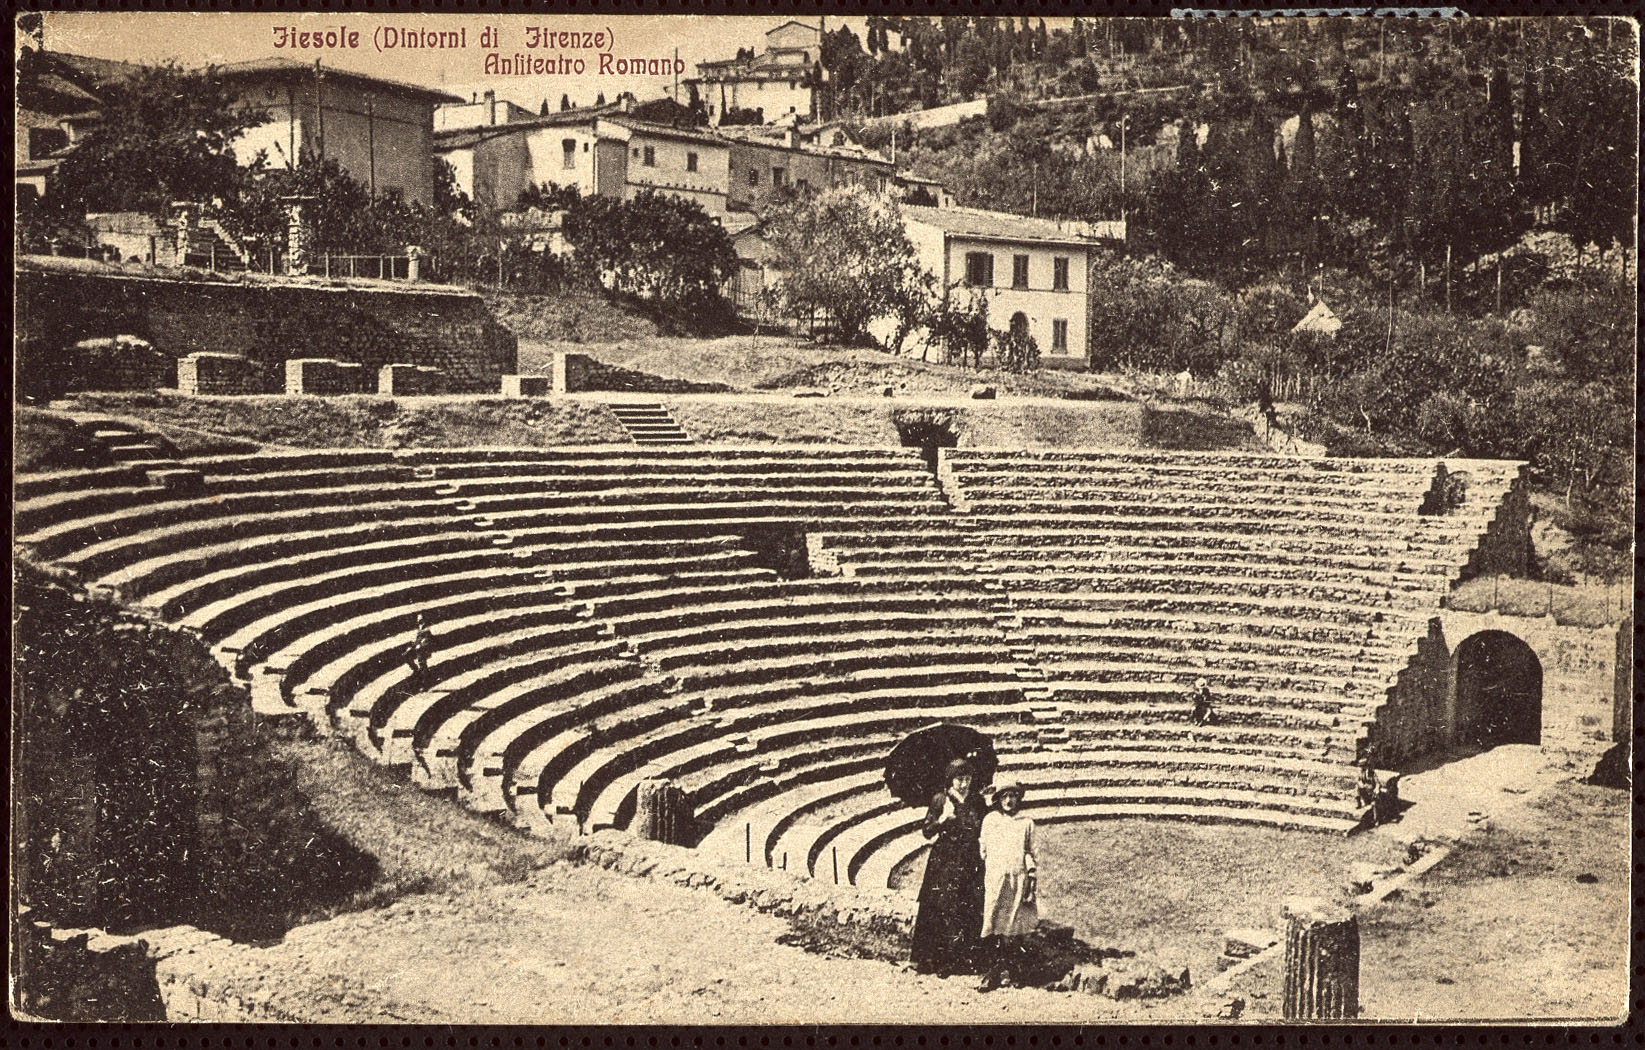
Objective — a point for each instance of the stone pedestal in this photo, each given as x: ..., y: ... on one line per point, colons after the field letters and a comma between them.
x: 1321, y: 961
x: 661, y: 813
x: 404, y: 380
x: 323, y: 375
x: 570, y: 372
x: 213, y: 373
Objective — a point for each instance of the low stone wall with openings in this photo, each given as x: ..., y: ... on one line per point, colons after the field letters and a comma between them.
x: 268, y: 321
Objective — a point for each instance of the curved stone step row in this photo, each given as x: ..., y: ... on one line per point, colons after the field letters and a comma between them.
x: 44, y: 500
x: 858, y: 817
x: 831, y: 780
x: 342, y: 505
x: 412, y: 518
x: 1376, y: 568
x: 290, y: 475
x: 244, y: 581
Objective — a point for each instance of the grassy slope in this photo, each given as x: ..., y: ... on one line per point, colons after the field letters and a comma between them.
x: 369, y: 421
x: 773, y: 362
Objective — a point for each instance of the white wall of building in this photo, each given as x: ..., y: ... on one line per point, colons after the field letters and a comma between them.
x: 381, y: 138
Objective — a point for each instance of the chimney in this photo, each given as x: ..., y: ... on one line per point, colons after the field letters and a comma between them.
x: 491, y: 107
x: 626, y: 102
x: 792, y: 135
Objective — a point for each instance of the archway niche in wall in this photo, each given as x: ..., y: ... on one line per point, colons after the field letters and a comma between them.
x: 1498, y: 691
x: 1019, y: 323
x: 927, y: 431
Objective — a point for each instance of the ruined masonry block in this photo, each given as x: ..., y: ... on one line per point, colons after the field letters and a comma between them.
x: 323, y: 375
x: 210, y: 373
x: 571, y: 372
x: 403, y: 380
x: 527, y: 386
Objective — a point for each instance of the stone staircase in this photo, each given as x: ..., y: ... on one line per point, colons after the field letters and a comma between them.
x: 212, y: 245
x: 649, y: 423
x: 127, y: 445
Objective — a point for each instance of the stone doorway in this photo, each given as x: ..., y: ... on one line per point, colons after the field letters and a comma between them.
x: 1498, y: 691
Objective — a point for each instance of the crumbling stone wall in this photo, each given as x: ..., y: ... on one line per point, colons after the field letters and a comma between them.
x: 1505, y: 548
x: 267, y: 321
x: 1414, y: 719
x: 147, y: 790
x: 1585, y: 683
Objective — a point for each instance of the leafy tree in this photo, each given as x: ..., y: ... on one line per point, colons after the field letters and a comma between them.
x: 844, y: 252
x: 959, y: 327
x: 166, y: 135
x: 657, y: 246
x: 565, y: 103
x: 1015, y: 351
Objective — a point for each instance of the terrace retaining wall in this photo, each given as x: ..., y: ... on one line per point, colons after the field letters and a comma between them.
x: 266, y: 321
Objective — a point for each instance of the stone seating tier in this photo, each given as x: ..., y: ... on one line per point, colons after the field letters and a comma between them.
x: 484, y: 656
x: 233, y: 585
x: 1046, y: 605
x: 424, y: 499
x: 412, y: 518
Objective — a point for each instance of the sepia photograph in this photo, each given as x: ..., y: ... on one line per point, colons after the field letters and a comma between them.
x: 608, y: 519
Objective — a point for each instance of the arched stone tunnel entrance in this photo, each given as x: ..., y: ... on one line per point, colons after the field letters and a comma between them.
x: 1498, y: 691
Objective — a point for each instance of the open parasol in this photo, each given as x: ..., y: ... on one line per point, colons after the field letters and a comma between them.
x: 917, y: 767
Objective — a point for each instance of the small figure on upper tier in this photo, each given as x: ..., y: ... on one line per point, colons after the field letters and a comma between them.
x: 418, y: 652
x: 1202, y: 713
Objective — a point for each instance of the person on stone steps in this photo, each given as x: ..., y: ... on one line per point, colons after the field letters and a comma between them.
x: 419, y: 651
x: 1010, y: 909
x: 1201, y: 711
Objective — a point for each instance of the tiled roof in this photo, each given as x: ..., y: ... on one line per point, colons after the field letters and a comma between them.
x: 287, y: 66
x: 1001, y: 226
x: 461, y: 138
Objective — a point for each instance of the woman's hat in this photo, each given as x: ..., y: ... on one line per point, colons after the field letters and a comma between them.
x: 960, y: 767
x: 1200, y: 683
x: 1008, y: 787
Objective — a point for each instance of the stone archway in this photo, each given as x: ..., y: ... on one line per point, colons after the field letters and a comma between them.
x: 1019, y: 324
x: 1498, y: 690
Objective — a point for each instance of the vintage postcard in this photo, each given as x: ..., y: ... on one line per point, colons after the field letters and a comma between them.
x: 573, y: 519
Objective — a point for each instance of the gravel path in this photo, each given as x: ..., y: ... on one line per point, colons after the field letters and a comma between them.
x: 577, y: 945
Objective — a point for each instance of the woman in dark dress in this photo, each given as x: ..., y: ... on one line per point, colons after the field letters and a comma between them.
x: 951, y: 897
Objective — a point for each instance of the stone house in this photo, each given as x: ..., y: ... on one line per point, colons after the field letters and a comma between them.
x: 762, y: 164
x: 381, y: 132
x: 1034, y: 272
x: 596, y: 151
x: 778, y: 82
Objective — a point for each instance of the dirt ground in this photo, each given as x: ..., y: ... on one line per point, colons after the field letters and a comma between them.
x: 1169, y: 891
x: 1526, y: 919
x: 579, y: 945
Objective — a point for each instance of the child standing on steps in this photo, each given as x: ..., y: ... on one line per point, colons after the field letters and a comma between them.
x: 1010, y: 875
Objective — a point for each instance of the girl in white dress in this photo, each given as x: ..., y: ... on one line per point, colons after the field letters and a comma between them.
x: 1010, y: 902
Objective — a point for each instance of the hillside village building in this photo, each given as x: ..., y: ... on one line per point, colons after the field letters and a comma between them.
x: 763, y: 163
x: 381, y: 132
x: 1034, y: 272
x: 776, y: 83
x: 480, y: 111
x: 600, y: 151
x: 59, y: 97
